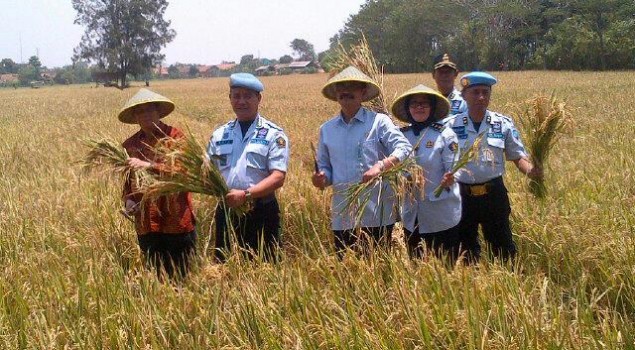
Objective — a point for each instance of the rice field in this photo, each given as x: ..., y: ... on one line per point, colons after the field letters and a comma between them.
x: 73, y: 276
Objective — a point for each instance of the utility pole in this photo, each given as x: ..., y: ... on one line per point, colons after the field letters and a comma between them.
x: 21, y: 60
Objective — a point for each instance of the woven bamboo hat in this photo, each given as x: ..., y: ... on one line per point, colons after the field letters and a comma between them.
x: 441, y: 109
x: 351, y: 74
x: 145, y: 96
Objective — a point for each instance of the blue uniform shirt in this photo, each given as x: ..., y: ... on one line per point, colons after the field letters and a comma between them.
x: 436, y: 150
x: 502, y: 141
x: 346, y: 151
x: 457, y: 103
x: 245, y: 161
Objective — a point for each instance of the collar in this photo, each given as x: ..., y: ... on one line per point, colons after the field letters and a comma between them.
x: 258, y: 122
x: 360, y: 115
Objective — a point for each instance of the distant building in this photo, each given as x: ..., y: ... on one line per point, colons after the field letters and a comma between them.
x: 9, y: 79
x: 300, y: 66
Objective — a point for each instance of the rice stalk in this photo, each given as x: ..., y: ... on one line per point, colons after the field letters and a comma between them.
x: 467, y: 155
x: 402, y: 178
x: 544, y: 120
x: 110, y: 157
x: 362, y: 58
x: 186, y: 168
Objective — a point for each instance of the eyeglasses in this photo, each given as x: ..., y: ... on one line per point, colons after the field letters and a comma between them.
x: 415, y: 104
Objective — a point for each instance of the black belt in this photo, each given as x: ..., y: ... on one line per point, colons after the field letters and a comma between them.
x: 265, y: 200
x: 481, y: 189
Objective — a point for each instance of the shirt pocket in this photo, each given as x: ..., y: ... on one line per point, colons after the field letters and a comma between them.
x: 222, y: 156
x: 493, y: 152
x: 256, y: 159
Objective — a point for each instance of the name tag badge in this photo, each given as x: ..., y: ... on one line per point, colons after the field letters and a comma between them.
x: 224, y: 142
x: 259, y: 141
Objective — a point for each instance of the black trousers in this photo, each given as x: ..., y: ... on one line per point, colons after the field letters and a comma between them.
x: 256, y: 232
x: 491, y: 211
x: 443, y: 244
x: 362, y: 239
x: 168, y: 252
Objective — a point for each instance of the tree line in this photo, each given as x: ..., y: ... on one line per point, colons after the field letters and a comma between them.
x: 405, y: 35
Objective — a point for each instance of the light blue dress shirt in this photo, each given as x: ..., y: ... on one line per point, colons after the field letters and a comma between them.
x: 502, y: 141
x: 245, y: 161
x: 436, y: 150
x: 346, y: 151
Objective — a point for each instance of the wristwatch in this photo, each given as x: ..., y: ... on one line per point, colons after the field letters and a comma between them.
x: 248, y: 195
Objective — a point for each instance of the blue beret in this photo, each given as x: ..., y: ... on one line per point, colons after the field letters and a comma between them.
x: 245, y: 80
x: 477, y: 78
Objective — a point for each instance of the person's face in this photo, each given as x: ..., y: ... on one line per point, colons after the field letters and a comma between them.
x: 444, y: 77
x: 350, y: 94
x: 420, y: 107
x: 147, y: 116
x: 477, y: 97
x: 244, y: 102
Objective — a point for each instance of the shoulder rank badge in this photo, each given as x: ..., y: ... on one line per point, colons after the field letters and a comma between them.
x: 453, y: 147
x: 429, y: 144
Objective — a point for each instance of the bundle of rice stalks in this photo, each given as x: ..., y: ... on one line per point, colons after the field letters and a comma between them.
x: 467, y: 154
x: 362, y: 57
x: 401, y: 178
x: 544, y: 120
x: 186, y: 168
x: 111, y: 158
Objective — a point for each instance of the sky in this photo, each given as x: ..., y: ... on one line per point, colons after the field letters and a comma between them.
x: 207, y: 31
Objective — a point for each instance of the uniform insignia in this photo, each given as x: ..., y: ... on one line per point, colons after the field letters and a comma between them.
x: 453, y: 146
x: 488, y: 155
x: 281, y: 142
x: 223, y: 142
x: 225, y: 135
x: 489, y: 119
x: 262, y: 133
x: 459, y: 129
x: 259, y: 141
x: 465, y: 120
x: 496, y: 127
x: 515, y: 134
x: 429, y: 144
x: 495, y: 135
x: 438, y: 127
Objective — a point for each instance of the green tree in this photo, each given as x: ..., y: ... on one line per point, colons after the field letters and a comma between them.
x: 123, y: 36
x: 193, y: 72
x: 285, y: 59
x: 303, y: 50
x: 173, y: 72
x: 7, y: 66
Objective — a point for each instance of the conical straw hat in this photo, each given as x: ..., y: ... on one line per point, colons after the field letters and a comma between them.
x: 165, y: 106
x: 442, y: 105
x: 351, y: 74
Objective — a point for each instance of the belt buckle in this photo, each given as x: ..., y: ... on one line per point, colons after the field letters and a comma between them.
x: 478, y: 190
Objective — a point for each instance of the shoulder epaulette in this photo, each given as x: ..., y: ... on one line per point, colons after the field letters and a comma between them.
x: 438, y: 127
x: 273, y: 126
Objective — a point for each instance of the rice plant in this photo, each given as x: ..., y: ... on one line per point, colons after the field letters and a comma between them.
x: 107, y: 156
x: 361, y: 56
x: 544, y: 120
x: 468, y: 154
x: 186, y: 168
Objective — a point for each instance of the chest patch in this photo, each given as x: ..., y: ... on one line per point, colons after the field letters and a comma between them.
x: 497, y: 128
x: 262, y: 133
